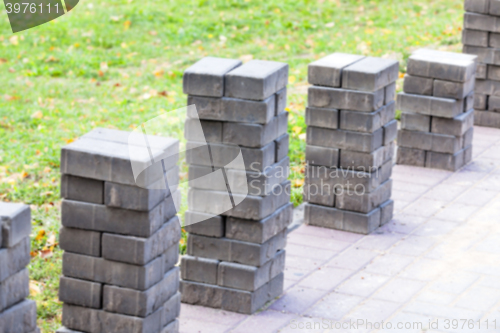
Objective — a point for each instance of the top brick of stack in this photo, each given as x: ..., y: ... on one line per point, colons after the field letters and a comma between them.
x: 15, y: 223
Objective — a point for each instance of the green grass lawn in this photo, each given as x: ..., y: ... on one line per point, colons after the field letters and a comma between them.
x: 118, y: 63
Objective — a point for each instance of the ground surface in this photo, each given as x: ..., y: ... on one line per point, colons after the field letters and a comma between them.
x: 118, y: 63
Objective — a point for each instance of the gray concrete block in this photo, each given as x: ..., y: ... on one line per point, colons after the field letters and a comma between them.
x: 429, y: 141
x: 14, y: 289
x: 430, y: 106
x: 390, y: 132
x: 256, y: 80
x: 327, y: 71
x: 485, y: 55
x: 199, y: 269
x: 250, y: 278
x: 467, y: 138
x: 206, y: 77
x: 332, y: 98
x: 281, y: 101
x: 202, y: 130
x: 411, y: 156
x: 259, y: 231
x: 15, y: 222
x: 480, y: 102
x: 416, y: 122
x: 390, y: 93
x: 481, y: 22
x: 494, y: 40
x: 487, y: 87
x: 80, y: 292
x: 207, y: 108
x: 172, y: 327
x: 282, y: 147
x: 486, y: 118
x: 82, y: 189
x: 366, y: 162
x: 211, y: 226
x: 19, y: 318
x: 322, y: 156
x: 141, y: 303
x: 170, y: 258
x: 456, y: 90
x: 441, y: 65
x: 363, y: 121
x: 386, y: 212
x: 14, y: 258
x: 171, y: 310
x: 340, y: 139
x: 418, y: 85
x: 482, y: 71
x: 201, y: 294
x: 319, y: 191
x: 456, y: 126
x: 370, y: 74
x: 327, y: 118
x: 248, y: 111
x: 469, y: 102
x: 477, y: 6
x: 80, y: 241
x: 111, y: 272
x: 450, y: 162
x: 493, y: 73
x: 362, y: 201
x: 138, y: 250
x: 282, y: 123
x: 494, y: 7
x: 475, y: 37
x: 494, y: 103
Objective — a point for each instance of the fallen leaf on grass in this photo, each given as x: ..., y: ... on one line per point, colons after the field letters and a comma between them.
x: 34, y: 288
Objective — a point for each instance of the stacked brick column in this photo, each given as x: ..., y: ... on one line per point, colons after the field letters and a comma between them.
x: 236, y: 259
x: 17, y: 314
x: 437, y: 110
x: 350, y: 142
x: 120, y: 240
x: 481, y: 37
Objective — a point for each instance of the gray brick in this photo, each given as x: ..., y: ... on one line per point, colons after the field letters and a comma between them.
x: 486, y: 118
x: 250, y: 278
x: 206, y: 77
x: 141, y: 303
x: 256, y: 80
x: 450, y: 162
x: 386, y: 212
x: 411, y: 156
x: 430, y: 106
x: 202, y: 130
x: 494, y: 7
x: 467, y: 138
x: 418, y: 85
x: 482, y: 71
x: 208, y: 108
x: 494, y: 41
x: 456, y: 126
x: 331, y: 98
x: 248, y: 111
x: 480, y: 102
x: 140, y: 251
x: 366, y: 122
x: 111, y: 272
x: 327, y: 118
x: 494, y: 103
x: 429, y: 141
x: 259, y: 231
x: 172, y: 327
x: 171, y: 310
x: 15, y: 221
x: 469, y: 102
x: 201, y: 294
x: 366, y: 162
x: 82, y: 189
x: 282, y: 147
x: 320, y: 190
x: 19, y: 318
x: 481, y: 22
x: 322, y: 156
x: 441, y: 65
x: 14, y: 289
x: 211, y: 226
x: 488, y: 87
x: 333, y: 218
x: 390, y: 93
x: 80, y: 292
x: 475, y: 37
x: 390, y: 132
x: 327, y: 71
x: 199, y: 269
x: 363, y: 142
x: 370, y: 74
x: 80, y: 241
x: 361, y: 201
x: 199, y: 178
x: 415, y: 122
x: 14, y: 258
x: 477, y: 6
x: 484, y: 55
x: 282, y: 123
x: 456, y: 90
x: 493, y: 73
x: 281, y: 101
x: 170, y: 258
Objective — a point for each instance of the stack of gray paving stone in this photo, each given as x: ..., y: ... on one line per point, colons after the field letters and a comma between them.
x: 235, y: 257
x: 120, y: 239
x: 350, y: 142
x: 481, y: 37
x: 437, y: 110
x: 17, y: 314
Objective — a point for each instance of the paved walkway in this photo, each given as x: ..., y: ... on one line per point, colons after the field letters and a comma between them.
x: 438, y: 259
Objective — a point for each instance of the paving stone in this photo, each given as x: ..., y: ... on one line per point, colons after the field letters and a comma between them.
x: 390, y: 93
x: 327, y: 71
x: 475, y: 37
x: 235, y: 251
x: 494, y: 7
x: 366, y: 162
x: 494, y: 40
x: 366, y: 122
x: 340, y: 139
x: 282, y: 147
x: 14, y: 258
x: 327, y: 118
x: 488, y: 87
x: 19, y: 318
x: 481, y: 22
x: 390, y: 132
x: 477, y: 6
x: 485, y: 118
x: 469, y: 102
x: 484, y: 54
x: 430, y: 106
x: 199, y: 269
x: 247, y: 111
x: 494, y: 103
x: 418, y: 85
x: 259, y: 231
x: 172, y: 327
x: 206, y: 108
x: 322, y: 156
x: 82, y: 189
x: 370, y: 74
x: 209, y: 225
x: 201, y: 294
x: 15, y: 221
x: 80, y: 292
x: 493, y: 73
x: 411, y: 156
x: 95, y: 217
x: 80, y: 241
x: 450, y: 162
x: 250, y: 278
x: 141, y: 303
x: 171, y: 310
x: 331, y: 98
x: 386, y: 212
x: 202, y: 130
x: 480, y: 102
x: 140, y: 251
x: 281, y: 101
x: 456, y: 126
x: 206, y: 77
x: 363, y: 202
x: 416, y: 122
x: 328, y: 217
x: 482, y: 71
x: 14, y: 289
x: 256, y: 80
x: 456, y: 90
